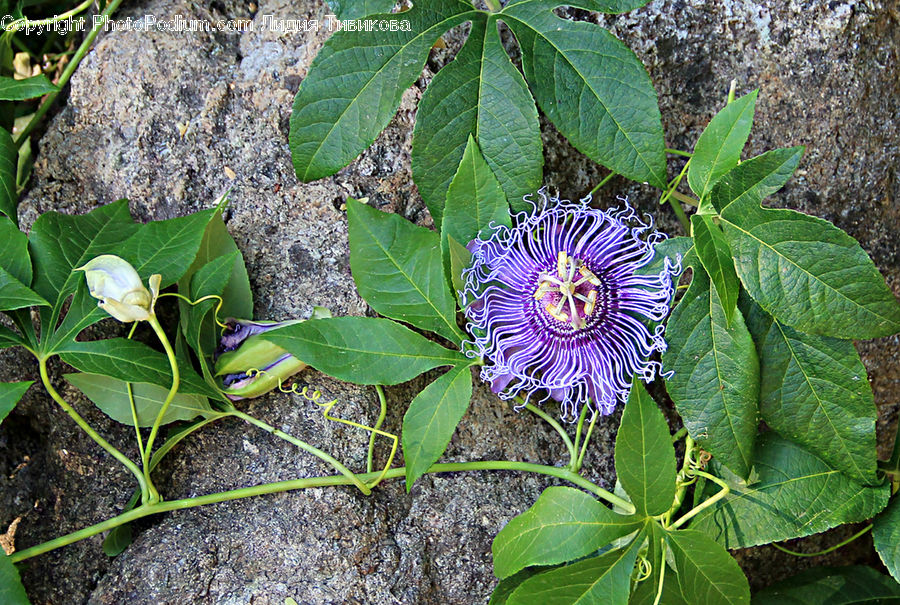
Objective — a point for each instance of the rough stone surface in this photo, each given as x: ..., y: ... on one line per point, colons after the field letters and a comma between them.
x: 830, y: 79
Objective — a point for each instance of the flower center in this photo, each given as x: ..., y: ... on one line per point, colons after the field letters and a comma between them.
x: 569, y: 295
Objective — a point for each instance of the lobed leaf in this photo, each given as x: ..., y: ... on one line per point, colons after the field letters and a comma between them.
x: 886, y: 535
x: 563, y: 525
x: 16, y: 295
x: 111, y: 396
x: 363, y: 350
x: 715, y: 256
x: 644, y: 454
x: 355, y: 83
x: 431, y: 420
x: 593, y: 88
x: 398, y: 270
x: 14, y: 257
x: 357, y: 9
x: 479, y: 94
x: 706, y: 572
x: 796, y: 494
x: 715, y: 380
x: 11, y: 590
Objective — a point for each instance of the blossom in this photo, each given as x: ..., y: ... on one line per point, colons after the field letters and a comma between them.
x: 118, y: 286
x: 248, y: 364
x: 557, y: 303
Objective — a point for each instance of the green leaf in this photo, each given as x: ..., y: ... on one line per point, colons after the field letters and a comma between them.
x: 474, y: 199
x: 14, y: 256
x: 718, y: 149
x: 810, y: 275
x: 593, y: 88
x: 29, y: 88
x: 604, y: 6
x: 363, y: 350
x: 814, y: 392
x: 431, y: 420
x: 166, y: 247
x: 886, y: 535
x: 11, y: 590
x: 460, y: 260
x: 8, y: 338
x: 715, y: 256
x: 202, y: 332
x: 133, y: 361
x: 706, y: 572
x: 645, y: 457
x: 507, y: 586
x: 355, y: 83
x: 15, y: 295
x: 357, y: 9
x: 605, y: 579
x: 563, y: 525
x: 796, y: 494
x: 10, y: 394
x: 746, y: 185
x: 9, y: 159
x: 832, y: 585
x: 715, y: 381
x: 397, y: 269
x: 479, y: 94
x: 60, y: 243
x: 111, y: 396
x: 657, y: 554
x: 117, y: 540
x: 670, y: 249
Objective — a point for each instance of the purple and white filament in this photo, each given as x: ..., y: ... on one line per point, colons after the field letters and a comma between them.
x: 556, y: 304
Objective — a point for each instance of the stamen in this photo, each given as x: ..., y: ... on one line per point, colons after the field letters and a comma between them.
x: 591, y: 303
x: 566, y: 309
x: 561, y: 260
x: 587, y: 273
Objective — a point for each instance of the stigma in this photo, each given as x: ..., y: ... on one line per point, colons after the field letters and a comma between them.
x: 570, y: 294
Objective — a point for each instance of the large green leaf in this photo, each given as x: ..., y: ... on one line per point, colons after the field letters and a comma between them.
x: 14, y: 256
x: 16, y: 295
x: 814, y: 391
x: 850, y: 585
x: 474, y: 199
x: 12, y: 89
x: 397, y: 268
x: 8, y: 338
x: 706, y: 572
x: 605, y: 579
x: 886, y: 535
x: 645, y: 457
x: 715, y: 256
x: 201, y: 332
x: 355, y: 83
x: 363, y: 350
x: 131, y: 361
x: 802, y: 270
x: 9, y: 158
x: 60, y: 243
x: 593, y: 88
x: 796, y: 494
x: 718, y: 149
x: 166, y: 247
x: 480, y: 94
x: 10, y: 394
x: 431, y: 419
x: 111, y: 396
x: 11, y: 590
x: 507, y: 586
x: 715, y: 381
x: 563, y: 525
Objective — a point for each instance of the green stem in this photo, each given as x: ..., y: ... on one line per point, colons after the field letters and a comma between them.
x: 67, y: 73
x: 24, y: 22
x: 685, y: 199
x: 145, y: 493
x: 573, y: 458
x: 176, y: 382
x: 578, y: 428
x: 295, y: 484
x: 861, y: 532
x: 352, y: 477
x: 707, y: 503
x: 587, y: 438
x: 602, y: 182
x: 662, y: 572
x: 493, y: 5
x: 682, y: 481
x: 679, y: 434
x: 678, y: 152
x: 115, y: 453
x: 381, y: 416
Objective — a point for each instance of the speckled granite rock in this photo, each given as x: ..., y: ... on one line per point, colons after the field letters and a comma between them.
x: 828, y: 73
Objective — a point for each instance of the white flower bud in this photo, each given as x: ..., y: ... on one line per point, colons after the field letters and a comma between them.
x: 115, y: 283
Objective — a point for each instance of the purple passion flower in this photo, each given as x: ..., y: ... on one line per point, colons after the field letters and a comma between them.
x: 556, y: 303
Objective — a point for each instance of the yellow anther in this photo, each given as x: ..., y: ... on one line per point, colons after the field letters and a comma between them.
x: 591, y: 303
x: 589, y: 275
x: 556, y: 314
x: 561, y: 260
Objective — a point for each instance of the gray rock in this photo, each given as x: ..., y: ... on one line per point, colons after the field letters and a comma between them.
x: 828, y: 73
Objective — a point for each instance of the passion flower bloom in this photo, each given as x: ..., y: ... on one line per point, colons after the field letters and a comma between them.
x: 557, y: 304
